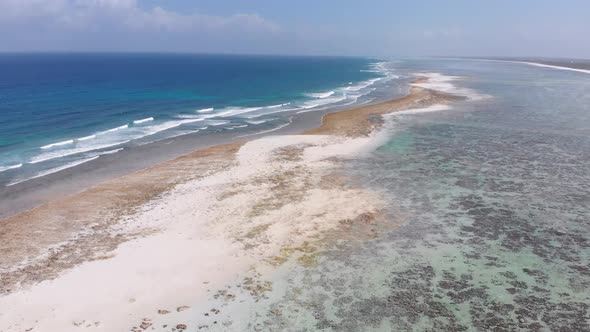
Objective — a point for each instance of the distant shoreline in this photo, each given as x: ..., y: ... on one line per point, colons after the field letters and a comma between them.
x: 579, y: 65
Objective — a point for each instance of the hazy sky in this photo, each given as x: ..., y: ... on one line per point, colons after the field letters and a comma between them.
x: 334, y: 27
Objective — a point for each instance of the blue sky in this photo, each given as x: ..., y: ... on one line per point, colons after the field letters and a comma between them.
x: 345, y: 27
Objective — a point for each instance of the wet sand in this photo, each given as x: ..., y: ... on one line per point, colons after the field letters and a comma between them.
x: 161, y: 239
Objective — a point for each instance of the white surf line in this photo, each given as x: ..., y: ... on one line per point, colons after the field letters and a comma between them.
x: 52, y: 145
x: 443, y: 83
x: 46, y: 157
x: 277, y: 106
x: 85, y: 138
x: 54, y: 170
x: 257, y: 122
x: 6, y: 168
x: 205, y: 110
x: 113, y: 129
x: 111, y: 152
x: 320, y: 95
x: 143, y: 120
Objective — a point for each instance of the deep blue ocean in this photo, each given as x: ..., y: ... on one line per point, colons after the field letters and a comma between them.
x: 60, y: 110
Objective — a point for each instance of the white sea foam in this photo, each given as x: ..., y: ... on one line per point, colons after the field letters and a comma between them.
x: 54, y: 170
x: 277, y: 106
x: 85, y: 138
x: 115, y: 129
x: 205, y: 110
x: 252, y: 112
x: 225, y: 112
x: 6, y: 168
x: 235, y: 127
x: 429, y: 109
x: 68, y: 152
x: 156, y: 128
x: 97, y: 141
x: 190, y: 116
x: 233, y: 111
x: 152, y: 130
x: 124, y: 134
x: 177, y: 134
x: 377, y: 67
x: 362, y: 85
x: 108, y: 138
x: 181, y: 133
x: 384, y: 69
x: 351, y: 92
x: 320, y: 95
x: 320, y: 99
x: 257, y: 114
x: 442, y: 83
x: 217, y: 122
x: 143, y: 120
x: 53, y: 145
x: 322, y: 102
x: 257, y: 122
x: 111, y: 151
x: 267, y: 131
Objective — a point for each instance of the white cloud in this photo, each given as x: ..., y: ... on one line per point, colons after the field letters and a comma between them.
x: 15, y: 9
x: 112, y: 4
x: 159, y: 18
x: 59, y: 24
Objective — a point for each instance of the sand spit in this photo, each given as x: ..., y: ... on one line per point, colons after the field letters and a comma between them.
x: 157, y: 248
x: 363, y: 121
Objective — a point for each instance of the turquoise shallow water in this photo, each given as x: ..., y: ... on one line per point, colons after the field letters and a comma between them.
x: 492, y: 199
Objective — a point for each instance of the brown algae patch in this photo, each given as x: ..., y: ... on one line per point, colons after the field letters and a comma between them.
x: 305, y: 254
x: 288, y: 186
x: 228, y: 194
x: 256, y: 231
x: 292, y: 153
x: 363, y: 227
x: 256, y: 287
x: 309, y: 260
